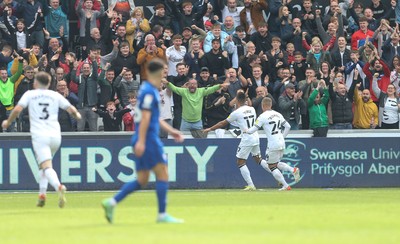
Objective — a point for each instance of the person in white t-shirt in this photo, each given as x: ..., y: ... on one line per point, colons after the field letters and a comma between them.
x: 244, y: 117
x: 272, y: 123
x: 43, y: 105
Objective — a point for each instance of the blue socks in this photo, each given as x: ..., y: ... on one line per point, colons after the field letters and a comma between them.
x: 126, y: 190
x: 161, y: 189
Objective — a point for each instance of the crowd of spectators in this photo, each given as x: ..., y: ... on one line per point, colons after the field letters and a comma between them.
x: 335, y: 66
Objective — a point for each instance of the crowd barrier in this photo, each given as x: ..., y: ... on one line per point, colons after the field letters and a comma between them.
x: 103, y: 161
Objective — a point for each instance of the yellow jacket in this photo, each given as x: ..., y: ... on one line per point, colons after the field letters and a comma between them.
x: 14, y: 68
x: 131, y: 31
x: 364, y: 112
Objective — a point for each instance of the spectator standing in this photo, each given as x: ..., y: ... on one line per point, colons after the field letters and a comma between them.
x: 147, y: 53
x: 87, y: 94
x: 112, y: 118
x: 175, y: 54
x: 7, y: 90
x: 252, y: 15
x: 192, y: 103
x: 67, y: 122
x: 342, y: 103
x: 136, y: 27
x: 290, y: 103
x: 216, y: 60
x: 317, y: 104
x: 389, y: 105
x: 126, y: 83
x: 55, y: 16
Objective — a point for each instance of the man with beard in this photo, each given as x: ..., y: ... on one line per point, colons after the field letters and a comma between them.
x: 365, y: 110
x: 216, y: 60
x: 232, y: 10
x: 192, y: 102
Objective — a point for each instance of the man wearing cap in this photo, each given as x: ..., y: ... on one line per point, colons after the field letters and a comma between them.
x: 216, y: 59
x: 290, y: 103
x: 205, y: 78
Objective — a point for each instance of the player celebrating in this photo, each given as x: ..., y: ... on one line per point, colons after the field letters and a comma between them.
x: 43, y: 105
x: 147, y: 146
x: 244, y: 117
x: 272, y: 123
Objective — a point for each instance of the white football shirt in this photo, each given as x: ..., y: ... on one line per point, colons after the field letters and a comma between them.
x: 272, y: 122
x: 244, y: 118
x: 43, y: 111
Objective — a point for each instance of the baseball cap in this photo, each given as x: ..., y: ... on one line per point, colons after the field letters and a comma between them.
x: 187, y: 28
x: 204, y: 69
x: 290, y: 85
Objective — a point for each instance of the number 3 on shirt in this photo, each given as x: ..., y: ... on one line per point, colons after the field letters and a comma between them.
x: 44, y: 111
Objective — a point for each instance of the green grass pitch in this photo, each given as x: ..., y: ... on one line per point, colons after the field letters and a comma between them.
x: 211, y: 216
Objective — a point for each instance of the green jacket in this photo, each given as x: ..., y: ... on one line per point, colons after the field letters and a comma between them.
x: 192, y: 103
x: 317, y: 112
x: 7, y: 88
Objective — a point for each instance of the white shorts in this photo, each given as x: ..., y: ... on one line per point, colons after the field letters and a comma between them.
x: 244, y: 152
x: 45, y: 147
x: 275, y: 156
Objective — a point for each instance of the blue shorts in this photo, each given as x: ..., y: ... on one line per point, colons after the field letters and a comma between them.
x: 153, y: 154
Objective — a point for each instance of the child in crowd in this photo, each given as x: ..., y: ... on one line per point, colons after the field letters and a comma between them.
x: 128, y: 118
x: 299, y: 66
x: 111, y: 118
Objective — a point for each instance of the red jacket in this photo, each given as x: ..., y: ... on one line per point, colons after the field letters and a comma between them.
x: 358, y: 39
x: 383, y: 79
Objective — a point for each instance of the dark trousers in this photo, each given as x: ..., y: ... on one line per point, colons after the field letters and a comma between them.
x: 320, y: 131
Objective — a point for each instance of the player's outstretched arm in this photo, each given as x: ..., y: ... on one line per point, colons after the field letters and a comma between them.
x: 74, y: 112
x: 14, y: 114
x: 219, y: 125
x: 252, y: 129
x: 172, y: 131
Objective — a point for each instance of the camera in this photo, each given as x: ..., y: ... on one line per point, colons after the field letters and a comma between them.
x: 317, y: 6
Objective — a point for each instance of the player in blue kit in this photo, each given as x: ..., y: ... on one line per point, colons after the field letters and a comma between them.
x: 147, y: 146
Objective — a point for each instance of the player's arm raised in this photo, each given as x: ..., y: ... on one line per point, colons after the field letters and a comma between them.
x: 14, y: 114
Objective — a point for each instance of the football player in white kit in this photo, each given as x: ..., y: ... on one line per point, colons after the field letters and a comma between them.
x: 43, y: 105
x: 244, y: 117
x: 272, y: 123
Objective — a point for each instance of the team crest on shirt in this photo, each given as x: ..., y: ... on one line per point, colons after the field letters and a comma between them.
x: 292, y: 156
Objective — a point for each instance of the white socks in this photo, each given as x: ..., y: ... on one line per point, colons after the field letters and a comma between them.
x: 264, y: 164
x: 279, y: 177
x: 246, y: 175
x: 43, y: 182
x: 285, y: 167
x: 52, y: 177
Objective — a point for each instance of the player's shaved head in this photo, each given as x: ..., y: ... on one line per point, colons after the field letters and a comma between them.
x: 43, y: 79
x: 241, y: 98
x: 266, y: 103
